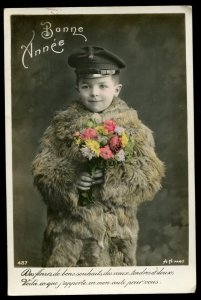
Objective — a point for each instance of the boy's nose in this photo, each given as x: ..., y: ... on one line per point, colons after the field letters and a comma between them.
x: 94, y: 91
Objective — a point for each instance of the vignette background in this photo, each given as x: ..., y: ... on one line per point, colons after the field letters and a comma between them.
x: 154, y: 83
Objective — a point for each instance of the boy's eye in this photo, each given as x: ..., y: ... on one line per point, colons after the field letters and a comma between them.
x: 103, y: 86
x: 84, y: 86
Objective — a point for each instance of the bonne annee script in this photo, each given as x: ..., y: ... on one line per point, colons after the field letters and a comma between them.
x: 48, y: 32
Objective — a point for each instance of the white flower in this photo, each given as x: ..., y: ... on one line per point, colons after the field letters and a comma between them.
x: 86, y: 152
x: 119, y: 130
x: 97, y: 118
x: 120, y: 156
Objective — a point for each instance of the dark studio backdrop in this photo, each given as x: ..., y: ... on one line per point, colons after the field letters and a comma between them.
x: 154, y: 83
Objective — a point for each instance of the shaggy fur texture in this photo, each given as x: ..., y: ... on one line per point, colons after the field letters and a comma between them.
x: 104, y: 234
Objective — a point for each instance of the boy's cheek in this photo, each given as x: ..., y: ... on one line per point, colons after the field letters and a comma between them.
x: 84, y: 94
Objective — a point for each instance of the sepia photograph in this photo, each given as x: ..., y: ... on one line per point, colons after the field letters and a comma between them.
x: 99, y: 136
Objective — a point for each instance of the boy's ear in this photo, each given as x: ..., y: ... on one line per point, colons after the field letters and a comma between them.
x: 76, y: 87
x: 118, y: 88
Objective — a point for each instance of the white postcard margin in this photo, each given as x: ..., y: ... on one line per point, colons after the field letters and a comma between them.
x: 110, y: 280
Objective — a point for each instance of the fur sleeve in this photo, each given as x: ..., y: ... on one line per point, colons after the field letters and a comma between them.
x: 54, y: 174
x: 139, y: 179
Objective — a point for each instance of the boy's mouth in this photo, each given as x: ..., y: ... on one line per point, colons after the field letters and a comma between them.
x: 95, y: 101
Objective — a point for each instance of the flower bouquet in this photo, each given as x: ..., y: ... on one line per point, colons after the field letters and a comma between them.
x: 103, y: 144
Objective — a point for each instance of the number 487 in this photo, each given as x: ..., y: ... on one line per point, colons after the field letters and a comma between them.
x: 22, y: 262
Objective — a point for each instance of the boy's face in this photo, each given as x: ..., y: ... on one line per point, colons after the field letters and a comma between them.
x: 97, y: 94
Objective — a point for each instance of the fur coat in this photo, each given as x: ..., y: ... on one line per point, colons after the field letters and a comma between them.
x: 104, y: 234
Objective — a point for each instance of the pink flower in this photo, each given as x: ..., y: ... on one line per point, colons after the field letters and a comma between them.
x: 89, y: 133
x: 110, y: 125
x: 115, y: 143
x: 106, y: 153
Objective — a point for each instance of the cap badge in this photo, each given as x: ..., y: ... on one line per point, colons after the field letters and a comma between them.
x: 91, y: 53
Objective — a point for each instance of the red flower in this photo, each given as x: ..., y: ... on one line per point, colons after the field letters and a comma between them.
x: 89, y: 133
x: 115, y: 143
x: 110, y: 125
x: 106, y: 153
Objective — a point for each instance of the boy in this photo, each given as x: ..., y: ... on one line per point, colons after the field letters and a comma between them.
x: 105, y: 232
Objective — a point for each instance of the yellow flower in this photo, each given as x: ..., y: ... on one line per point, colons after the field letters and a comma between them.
x: 124, y: 139
x: 93, y: 146
x: 100, y: 129
x: 77, y: 141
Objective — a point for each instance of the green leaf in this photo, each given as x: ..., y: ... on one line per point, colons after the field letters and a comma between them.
x: 90, y: 124
x: 130, y: 146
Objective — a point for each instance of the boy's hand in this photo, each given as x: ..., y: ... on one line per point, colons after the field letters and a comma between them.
x: 85, y: 180
x: 97, y: 177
